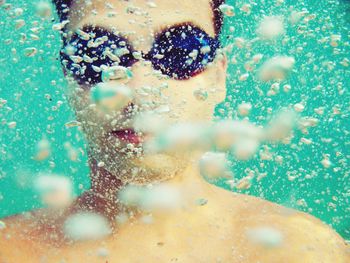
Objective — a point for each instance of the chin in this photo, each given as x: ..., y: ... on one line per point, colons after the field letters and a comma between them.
x: 142, y: 169
x: 155, y: 168
x: 160, y: 167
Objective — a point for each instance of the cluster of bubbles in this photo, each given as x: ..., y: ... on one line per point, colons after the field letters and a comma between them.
x: 239, y: 138
x: 242, y: 138
x: 296, y: 54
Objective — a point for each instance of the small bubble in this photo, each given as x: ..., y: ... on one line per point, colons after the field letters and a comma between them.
x: 200, y: 94
x: 326, y: 162
x: 202, y: 201
x: 43, y: 9
x: 257, y: 58
x: 227, y: 10
x: 102, y: 252
x: 71, y: 124
x: 246, y: 8
x: 244, y: 183
x: 101, y: 164
x: 116, y: 73
x: 30, y: 52
x: 43, y: 150
x: 147, y: 219
x: 299, y: 107
x: 12, y: 124
x: 244, y: 108
x: 151, y: 4
x: 243, y: 77
x: 265, y: 236
x: 335, y: 40
x: 306, y: 141
x: 19, y: 23
x: 18, y: 11
x: 2, y: 225
x: 122, y: 218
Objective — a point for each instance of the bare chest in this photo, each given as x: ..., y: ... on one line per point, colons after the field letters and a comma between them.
x: 178, y: 242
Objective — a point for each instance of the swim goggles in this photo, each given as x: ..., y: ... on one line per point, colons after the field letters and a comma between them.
x: 179, y: 52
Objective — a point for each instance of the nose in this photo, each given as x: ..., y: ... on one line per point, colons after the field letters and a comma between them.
x: 145, y: 87
x: 146, y: 84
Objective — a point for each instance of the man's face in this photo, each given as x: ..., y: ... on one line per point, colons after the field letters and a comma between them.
x: 172, y: 100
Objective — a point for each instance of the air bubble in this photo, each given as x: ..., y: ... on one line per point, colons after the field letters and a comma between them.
x: 116, y: 73
x: 271, y: 27
x: 244, y: 108
x: 200, y: 94
x: 276, y: 68
x: 298, y: 107
x: 160, y: 197
x: 151, y: 4
x: 30, y: 52
x: 19, y: 23
x: 102, y: 252
x: 245, y: 149
x: 149, y: 123
x: 243, y: 77
x: 213, y: 165
x: 18, y: 11
x: 12, y: 124
x: 111, y: 96
x: 326, y: 162
x: 86, y: 226
x: 43, y: 150
x: 43, y: 9
x: 246, y: 8
x: 55, y: 191
x: 227, y: 10
x: 265, y: 236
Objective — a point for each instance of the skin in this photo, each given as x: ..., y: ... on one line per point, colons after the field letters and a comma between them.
x: 213, y: 232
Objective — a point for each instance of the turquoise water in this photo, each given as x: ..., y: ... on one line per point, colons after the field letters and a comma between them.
x: 34, y: 90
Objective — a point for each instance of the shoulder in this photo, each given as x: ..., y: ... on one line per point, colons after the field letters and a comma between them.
x: 281, y: 233
x: 20, y: 236
x: 13, y: 240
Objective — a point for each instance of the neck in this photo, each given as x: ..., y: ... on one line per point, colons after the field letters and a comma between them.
x: 102, y: 197
x: 191, y: 181
x: 103, y: 183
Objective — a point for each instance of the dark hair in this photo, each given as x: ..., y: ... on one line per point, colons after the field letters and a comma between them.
x: 62, y: 7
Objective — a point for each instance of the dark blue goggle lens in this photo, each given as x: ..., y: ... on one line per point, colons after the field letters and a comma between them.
x: 182, y: 52
x: 179, y: 52
x: 82, y: 57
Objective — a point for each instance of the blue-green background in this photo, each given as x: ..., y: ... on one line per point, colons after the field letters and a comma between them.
x: 26, y: 82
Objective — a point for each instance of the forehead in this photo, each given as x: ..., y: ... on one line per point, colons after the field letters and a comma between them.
x: 141, y: 18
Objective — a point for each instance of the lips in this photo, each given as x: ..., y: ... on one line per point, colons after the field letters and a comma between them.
x: 128, y: 135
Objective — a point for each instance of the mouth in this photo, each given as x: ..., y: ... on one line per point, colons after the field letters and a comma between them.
x: 128, y: 136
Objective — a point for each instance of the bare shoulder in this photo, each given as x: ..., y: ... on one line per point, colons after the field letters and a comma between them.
x: 19, y: 236
x: 282, y: 233
x: 12, y: 238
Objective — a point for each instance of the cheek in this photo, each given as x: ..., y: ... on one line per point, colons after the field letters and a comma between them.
x: 93, y: 122
x: 193, y: 99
